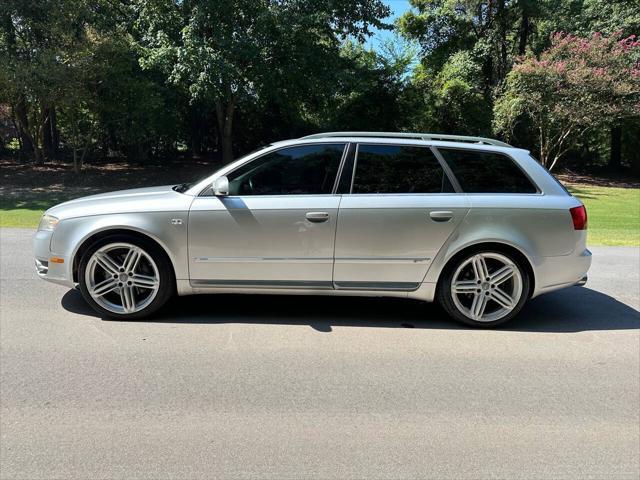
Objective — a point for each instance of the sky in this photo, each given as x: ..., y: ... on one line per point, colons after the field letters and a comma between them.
x: 398, y: 7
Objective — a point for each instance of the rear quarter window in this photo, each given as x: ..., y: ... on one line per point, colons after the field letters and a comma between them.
x: 486, y: 172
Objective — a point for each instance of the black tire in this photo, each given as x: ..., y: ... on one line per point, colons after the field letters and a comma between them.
x: 444, y: 295
x: 167, y: 285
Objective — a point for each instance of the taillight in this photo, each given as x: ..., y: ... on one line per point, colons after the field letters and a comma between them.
x: 579, y: 217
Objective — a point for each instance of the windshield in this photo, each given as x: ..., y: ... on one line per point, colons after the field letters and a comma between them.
x: 183, y: 187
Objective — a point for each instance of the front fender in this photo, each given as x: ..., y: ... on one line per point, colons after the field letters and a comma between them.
x: 71, y: 234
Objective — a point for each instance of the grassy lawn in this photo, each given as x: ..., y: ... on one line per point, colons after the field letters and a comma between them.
x: 26, y: 213
x: 19, y: 217
x: 614, y: 213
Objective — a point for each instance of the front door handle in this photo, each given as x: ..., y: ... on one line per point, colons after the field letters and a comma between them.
x: 317, y: 217
x: 441, y: 215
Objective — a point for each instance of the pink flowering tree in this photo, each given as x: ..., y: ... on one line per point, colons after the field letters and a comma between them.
x: 576, y: 85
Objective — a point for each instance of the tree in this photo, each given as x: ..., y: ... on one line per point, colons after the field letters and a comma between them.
x: 366, y: 88
x: 238, y: 51
x: 42, y: 44
x: 576, y: 84
x: 444, y: 28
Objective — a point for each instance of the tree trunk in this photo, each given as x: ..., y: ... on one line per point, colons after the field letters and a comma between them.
x: 195, y: 131
x: 616, y: 148
x: 524, y: 32
x: 47, y: 137
x: 22, y: 121
x: 227, y: 148
x: 76, y: 165
x: 55, y: 134
x: 224, y: 116
x: 502, y: 19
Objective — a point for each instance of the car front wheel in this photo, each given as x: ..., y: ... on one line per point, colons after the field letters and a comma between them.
x: 125, y: 277
x: 484, y: 289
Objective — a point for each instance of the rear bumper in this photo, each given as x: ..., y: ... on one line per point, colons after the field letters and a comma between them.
x: 554, y: 273
x: 582, y: 282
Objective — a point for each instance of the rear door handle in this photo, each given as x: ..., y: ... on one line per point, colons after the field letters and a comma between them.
x: 317, y: 217
x: 441, y: 215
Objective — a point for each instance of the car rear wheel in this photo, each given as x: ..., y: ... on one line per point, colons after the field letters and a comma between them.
x: 125, y: 277
x: 485, y: 288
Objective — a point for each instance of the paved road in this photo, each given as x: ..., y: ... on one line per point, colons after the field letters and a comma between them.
x: 302, y: 387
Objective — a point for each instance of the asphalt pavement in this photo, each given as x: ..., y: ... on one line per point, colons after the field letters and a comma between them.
x: 317, y: 387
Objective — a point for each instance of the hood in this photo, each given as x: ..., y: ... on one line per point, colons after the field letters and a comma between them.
x: 149, y: 199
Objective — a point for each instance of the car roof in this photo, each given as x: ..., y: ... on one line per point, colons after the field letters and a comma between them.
x: 396, y: 141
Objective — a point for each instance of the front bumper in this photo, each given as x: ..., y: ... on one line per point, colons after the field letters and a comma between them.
x: 58, y: 271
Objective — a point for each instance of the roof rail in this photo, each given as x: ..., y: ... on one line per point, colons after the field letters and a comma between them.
x: 420, y: 136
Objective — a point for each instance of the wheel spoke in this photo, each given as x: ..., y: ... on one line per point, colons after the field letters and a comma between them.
x: 122, y: 278
x: 478, y: 305
x: 106, y: 262
x: 480, y: 268
x: 503, y: 299
x: 144, y: 281
x: 104, y: 287
x: 465, y: 286
x: 486, y: 286
x: 502, y: 275
x: 131, y: 260
x: 127, y: 299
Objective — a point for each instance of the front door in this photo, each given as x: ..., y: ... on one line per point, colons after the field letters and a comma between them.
x: 276, y: 228
x: 400, y: 209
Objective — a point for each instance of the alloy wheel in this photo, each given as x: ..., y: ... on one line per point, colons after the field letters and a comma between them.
x: 486, y: 287
x: 122, y: 278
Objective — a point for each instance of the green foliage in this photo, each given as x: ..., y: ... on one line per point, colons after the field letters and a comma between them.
x: 461, y: 102
x: 246, y: 51
x: 577, y: 84
x: 84, y: 79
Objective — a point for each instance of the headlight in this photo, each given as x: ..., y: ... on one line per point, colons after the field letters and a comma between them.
x: 48, y: 222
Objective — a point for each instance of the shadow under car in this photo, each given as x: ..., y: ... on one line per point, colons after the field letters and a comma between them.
x: 571, y: 310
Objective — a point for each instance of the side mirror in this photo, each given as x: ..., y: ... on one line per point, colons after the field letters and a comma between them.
x: 221, y: 186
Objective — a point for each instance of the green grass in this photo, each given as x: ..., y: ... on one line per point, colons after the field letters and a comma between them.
x: 614, y: 213
x: 25, y: 213
x: 20, y: 218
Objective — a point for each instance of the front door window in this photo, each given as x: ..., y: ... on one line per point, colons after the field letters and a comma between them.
x: 300, y: 170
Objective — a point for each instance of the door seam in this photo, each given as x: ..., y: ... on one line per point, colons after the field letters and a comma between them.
x: 335, y: 238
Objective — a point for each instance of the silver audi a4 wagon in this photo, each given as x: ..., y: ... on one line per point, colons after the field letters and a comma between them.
x: 471, y: 222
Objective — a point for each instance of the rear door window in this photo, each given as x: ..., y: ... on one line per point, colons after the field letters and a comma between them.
x: 398, y: 169
x: 486, y: 172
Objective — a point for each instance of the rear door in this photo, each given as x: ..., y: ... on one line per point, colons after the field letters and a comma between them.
x: 395, y: 215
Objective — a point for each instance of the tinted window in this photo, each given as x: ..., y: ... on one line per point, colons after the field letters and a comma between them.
x: 486, y: 172
x: 398, y: 169
x: 309, y: 169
